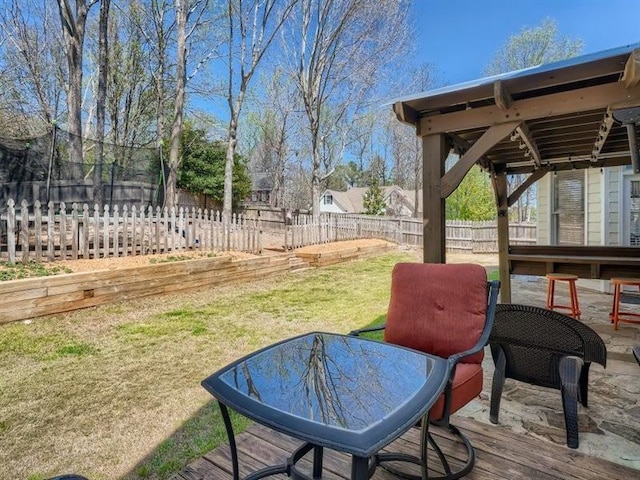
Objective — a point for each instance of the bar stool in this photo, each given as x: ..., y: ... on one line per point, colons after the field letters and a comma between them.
x: 616, y: 315
x: 573, y: 294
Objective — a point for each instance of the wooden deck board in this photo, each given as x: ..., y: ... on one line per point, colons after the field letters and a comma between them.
x: 500, y: 454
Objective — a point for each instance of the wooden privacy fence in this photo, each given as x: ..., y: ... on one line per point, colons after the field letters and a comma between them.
x: 336, y: 227
x: 482, y: 237
x: 59, y: 234
x: 461, y: 236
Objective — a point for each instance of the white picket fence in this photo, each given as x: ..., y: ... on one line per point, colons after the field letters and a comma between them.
x: 80, y: 232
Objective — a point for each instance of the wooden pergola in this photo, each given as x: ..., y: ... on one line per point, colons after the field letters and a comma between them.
x: 575, y: 114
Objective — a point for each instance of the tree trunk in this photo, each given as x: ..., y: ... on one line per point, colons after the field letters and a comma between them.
x: 182, y: 9
x: 228, y: 167
x: 417, y: 161
x: 315, y: 174
x: 103, y: 59
x: 73, y: 27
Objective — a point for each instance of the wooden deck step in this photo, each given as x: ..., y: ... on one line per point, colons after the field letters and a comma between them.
x: 500, y: 454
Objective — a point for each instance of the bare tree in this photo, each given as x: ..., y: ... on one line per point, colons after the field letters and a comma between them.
x: 337, y: 49
x: 103, y: 56
x: 30, y: 67
x: 252, y: 26
x: 182, y: 14
x: 273, y: 124
x: 73, y: 21
x: 183, y: 11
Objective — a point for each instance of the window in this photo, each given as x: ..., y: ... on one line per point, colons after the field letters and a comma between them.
x: 328, y: 199
x: 568, y: 208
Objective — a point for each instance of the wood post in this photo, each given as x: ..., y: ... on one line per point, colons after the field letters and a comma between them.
x: 499, y: 181
x: 434, y: 153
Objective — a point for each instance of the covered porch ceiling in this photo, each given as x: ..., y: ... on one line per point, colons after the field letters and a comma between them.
x: 574, y: 114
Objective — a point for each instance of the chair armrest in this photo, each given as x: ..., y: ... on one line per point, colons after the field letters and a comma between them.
x: 492, y: 300
x: 355, y: 333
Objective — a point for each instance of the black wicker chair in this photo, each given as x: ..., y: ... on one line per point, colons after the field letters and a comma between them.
x: 544, y: 348
x: 69, y: 476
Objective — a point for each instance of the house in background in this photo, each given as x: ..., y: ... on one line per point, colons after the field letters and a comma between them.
x: 596, y: 206
x: 590, y: 207
x: 400, y: 203
x: 261, y: 188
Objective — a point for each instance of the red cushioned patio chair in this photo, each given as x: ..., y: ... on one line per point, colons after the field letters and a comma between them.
x: 444, y: 310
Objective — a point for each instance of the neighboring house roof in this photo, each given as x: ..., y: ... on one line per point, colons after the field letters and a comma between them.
x: 352, y: 201
x: 407, y: 198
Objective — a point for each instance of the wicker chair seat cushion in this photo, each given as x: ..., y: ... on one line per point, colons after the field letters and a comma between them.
x: 467, y: 385
x: 425, y: 302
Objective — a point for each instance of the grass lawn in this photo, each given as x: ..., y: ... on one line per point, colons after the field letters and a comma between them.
x: 114, y: 391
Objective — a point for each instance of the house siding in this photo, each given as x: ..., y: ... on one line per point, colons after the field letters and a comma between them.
x: 594, y: 182
x: 543, y: 214
x: 333, y: 208
x: 614, y: 205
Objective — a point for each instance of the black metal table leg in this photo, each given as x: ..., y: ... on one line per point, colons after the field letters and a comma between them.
x: 424, y: 441
x: 232, y: 440
x: 317, y: 461
x: 359, y: 468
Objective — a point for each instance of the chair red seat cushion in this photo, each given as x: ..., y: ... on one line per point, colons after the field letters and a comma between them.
x: 467, y: 385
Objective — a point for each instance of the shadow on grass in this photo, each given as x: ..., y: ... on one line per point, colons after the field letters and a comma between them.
x: 200, y: 434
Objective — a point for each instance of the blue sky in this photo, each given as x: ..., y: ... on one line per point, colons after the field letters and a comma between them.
x: 459, y: 37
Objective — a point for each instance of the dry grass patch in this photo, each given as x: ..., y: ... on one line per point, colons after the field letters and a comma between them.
x: 114, y: 392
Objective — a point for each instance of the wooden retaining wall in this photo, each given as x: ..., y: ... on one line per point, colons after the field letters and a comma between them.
x: 319, y: 257
x: 35, y: 297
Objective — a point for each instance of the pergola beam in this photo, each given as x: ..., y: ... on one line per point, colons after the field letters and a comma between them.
x: 631, y: 76
x: 499, y: 181
x: 603, y: 133
x: 555, y: 104
x: 523, y: 134
x: 434, y: 154
x: 405, y: 113
x: 493, y: 135
x: 501, y: 95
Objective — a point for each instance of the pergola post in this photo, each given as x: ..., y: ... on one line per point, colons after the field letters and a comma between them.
x: 499, y: 180
x: 434, y: 154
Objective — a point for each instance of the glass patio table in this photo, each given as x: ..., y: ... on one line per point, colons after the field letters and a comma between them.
x: 331, y: 391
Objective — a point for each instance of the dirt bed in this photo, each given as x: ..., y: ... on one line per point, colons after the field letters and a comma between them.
x: 270, y: 248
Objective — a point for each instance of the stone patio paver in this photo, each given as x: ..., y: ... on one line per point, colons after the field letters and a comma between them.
x: 610, y: 427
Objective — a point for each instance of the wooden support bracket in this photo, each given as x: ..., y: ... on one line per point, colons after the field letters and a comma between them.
x: 530, y: 180
x: 493, y: 135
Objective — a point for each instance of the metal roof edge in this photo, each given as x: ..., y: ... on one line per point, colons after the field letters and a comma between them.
x: 545, y: 67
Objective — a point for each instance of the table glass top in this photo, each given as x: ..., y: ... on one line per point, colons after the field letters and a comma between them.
x: 334, y: 380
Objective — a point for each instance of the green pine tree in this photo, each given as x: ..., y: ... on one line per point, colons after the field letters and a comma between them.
x: 373, y: 200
